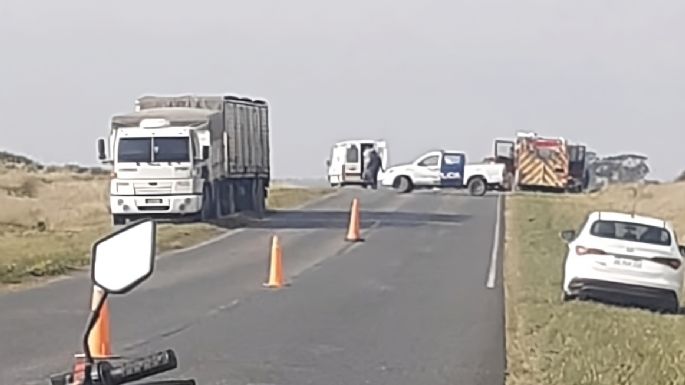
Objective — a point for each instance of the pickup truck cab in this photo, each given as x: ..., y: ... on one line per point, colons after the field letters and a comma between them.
x: 445, y: 169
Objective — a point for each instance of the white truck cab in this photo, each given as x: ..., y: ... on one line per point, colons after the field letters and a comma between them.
x: 156, y: 169
x: 347, y: 161
x: 445, y: 169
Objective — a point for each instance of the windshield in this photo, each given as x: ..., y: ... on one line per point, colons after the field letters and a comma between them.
x: 135, y: 150
x: 171, y: 150
x: 175, y: 149
x: 627, y: 231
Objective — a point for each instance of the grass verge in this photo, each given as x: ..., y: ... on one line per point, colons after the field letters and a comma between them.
x: 550, y: 342
x: 48, y: 222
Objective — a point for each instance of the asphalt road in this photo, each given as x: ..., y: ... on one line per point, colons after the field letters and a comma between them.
x: 409, y: 305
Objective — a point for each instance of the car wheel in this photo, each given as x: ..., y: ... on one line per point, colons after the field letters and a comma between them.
x: 477, y: 187
x: 566, y: 297
x: 404, y: 184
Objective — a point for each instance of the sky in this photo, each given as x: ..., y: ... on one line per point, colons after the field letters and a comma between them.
x: 422, y: 75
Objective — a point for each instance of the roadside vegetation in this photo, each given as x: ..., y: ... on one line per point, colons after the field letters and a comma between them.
x: 550, y: 342
x: 49, y: 219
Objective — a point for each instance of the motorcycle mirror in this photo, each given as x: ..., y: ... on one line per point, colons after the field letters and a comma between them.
x: 124, y: 258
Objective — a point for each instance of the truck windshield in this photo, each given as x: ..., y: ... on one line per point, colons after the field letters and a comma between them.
x: 140, y: 150
x: 171, y: 150
x: 135, y: 150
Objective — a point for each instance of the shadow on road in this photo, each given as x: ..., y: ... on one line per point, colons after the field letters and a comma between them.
x: 328, y: 219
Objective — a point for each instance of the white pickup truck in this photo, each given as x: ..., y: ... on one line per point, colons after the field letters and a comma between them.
x: 445, y: 169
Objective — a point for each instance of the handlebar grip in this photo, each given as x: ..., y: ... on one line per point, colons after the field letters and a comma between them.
x: 143, y: 367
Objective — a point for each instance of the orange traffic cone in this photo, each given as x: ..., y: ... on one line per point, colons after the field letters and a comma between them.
x: 354, y: 231
x: 99, y: 339
x: 275, y: 279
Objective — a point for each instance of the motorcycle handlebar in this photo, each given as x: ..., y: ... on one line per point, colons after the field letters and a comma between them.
x: 140, y: 368
x: 130, y: 371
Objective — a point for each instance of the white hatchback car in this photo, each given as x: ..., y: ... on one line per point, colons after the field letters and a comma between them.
x: 626, y: 258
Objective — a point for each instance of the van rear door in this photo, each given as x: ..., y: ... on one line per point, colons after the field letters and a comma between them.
x: 383, y: 152
x: 335, y: 164
x: 576, y: 161
x: 504, y: 153
x: 353, y: 163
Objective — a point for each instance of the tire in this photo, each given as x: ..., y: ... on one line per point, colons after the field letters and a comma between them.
x: 208, y: 209
x: 118, y: 219
x: 565, y: 297
x: 477, y: 186
x: 260, y: 199
x: 404, y: 184
x: 217, y: 201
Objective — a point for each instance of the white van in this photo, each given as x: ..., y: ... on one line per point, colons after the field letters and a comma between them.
x: 346, y: 165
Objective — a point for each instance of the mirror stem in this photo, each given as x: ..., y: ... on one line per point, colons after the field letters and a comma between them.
x: 99, y: 296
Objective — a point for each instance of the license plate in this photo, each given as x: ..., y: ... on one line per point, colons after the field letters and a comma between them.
x: 153, y: 201
x: 627, y: 263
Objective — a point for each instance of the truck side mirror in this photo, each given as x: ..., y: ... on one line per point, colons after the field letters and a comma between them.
x: 102, y: 153
x: 328, y: 163
x: 205, y: 152
x: 682, y: 250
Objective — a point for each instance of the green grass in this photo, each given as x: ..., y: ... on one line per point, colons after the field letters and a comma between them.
x: 550, y: 342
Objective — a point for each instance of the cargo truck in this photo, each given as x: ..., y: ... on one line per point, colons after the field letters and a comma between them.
x: 188, y: 157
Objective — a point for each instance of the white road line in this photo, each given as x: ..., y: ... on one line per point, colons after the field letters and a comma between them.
x: 492, y: 274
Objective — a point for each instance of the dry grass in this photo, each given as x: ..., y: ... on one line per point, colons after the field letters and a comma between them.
x: 281, y: 197
x: 550, y: 342
x: 49, y: 221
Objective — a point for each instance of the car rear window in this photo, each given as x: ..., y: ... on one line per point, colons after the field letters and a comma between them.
x: 629, y: 231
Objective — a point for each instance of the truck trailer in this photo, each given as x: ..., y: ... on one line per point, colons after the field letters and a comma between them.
x: 188, y: 157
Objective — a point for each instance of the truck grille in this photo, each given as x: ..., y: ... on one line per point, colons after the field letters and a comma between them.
x: 152, y: 188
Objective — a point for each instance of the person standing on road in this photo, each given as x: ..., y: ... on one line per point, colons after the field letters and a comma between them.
x: 375, y: 164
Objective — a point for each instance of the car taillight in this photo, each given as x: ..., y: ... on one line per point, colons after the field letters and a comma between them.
x: 581, y: 250
x: 670, y: 262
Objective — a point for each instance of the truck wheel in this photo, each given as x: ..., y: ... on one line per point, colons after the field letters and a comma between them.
x: 218, y: 202
x: 207, y: 207
x: 403, y: 184
x: 118, y: 219
x: 477, y: 186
